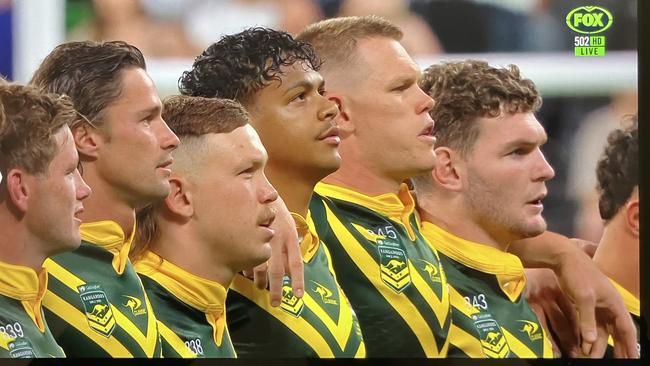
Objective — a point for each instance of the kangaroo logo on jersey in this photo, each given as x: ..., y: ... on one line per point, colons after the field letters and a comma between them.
x: 134, y: 304
x: 532, y: 329
x: 432, y: 270
x: 492, y: 339
x: 98, y: 309
x: 291, y: 304
x: 21, y: 348
x: 393, y: 265
x: 325, y: 293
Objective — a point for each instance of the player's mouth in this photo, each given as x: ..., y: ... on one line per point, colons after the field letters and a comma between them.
x: 165, y: 165
x: 265, y: 221
x: 427, y: 134
x: 537, y: 202
x: 77, y: 212
x: 331, y: 135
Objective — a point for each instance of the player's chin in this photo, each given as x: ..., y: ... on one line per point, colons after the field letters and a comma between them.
x: 536, y: 226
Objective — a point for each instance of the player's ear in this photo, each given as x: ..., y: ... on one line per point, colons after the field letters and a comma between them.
x: 179, y: 201
x: 18, y: 189
x: 87, y: 139
x: 449, y: 169
x: 343, y: 118
x: 632, y: 213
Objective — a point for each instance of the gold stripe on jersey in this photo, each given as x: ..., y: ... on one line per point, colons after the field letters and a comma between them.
x: 402, y: 305
x: 175, y: 341
x: 77, y: 319
x: 299, y: 326
x: 5, y: 340
x: 523, y: 351
x: 341, y: 329
x: 147, y: 342
x: 460, y: 304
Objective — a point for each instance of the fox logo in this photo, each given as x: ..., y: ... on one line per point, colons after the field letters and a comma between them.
x: 134, y: 304
x: 532, y: 329
x: 325, y: 293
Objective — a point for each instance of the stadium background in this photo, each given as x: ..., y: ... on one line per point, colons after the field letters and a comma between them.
x: 584, y: 97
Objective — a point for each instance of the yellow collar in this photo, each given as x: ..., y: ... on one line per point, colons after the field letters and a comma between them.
x: 505, y: 266
x: 109, y: 235
x: 398, y: 207
x: 631, y: 302
x: 27, y: 286
x: 309, y: 241
x: 202, y: 294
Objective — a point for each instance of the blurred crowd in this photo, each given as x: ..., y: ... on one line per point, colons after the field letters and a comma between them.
x: 577, y: 126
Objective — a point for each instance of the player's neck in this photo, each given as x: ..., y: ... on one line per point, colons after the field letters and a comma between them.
x: 105, y: 203
x: 17, y: 245
x: 185, y: 250
x: 617, y: 256
x: 361, y: 179
x: 450, y: 216
x: 295, y: 186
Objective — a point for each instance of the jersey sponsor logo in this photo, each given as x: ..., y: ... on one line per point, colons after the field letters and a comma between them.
x: 98, y: 310
x: 134, y: 304
x: 432, y: 270
x: 532, y: 329
x: 324, y: 293
x: 393, y: 265
x: 21, y: 348
x: 290, y: 303
x: 492, y: 339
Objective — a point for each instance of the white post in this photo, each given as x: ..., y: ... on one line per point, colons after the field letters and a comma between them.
x: 38, y: 26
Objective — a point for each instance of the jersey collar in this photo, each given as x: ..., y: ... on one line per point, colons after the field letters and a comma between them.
x: 109, y: 236
x: 398, y: 207
x: 27, y: 286
x: 202, y: 294
x: 309, y: 241
x: 505, y: 266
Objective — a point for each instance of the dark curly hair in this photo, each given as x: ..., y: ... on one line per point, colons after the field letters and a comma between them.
x: 239, y: 65
x: 618, y: 169
x: 467, y: 90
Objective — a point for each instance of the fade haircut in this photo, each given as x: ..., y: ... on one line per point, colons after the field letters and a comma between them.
x: 190, y: 118
x: 335, y: 40
x: 29, y: 119
x: 467, y: 90
x: 618, y: 169
x: 90, y: 73
x: 239, y: 65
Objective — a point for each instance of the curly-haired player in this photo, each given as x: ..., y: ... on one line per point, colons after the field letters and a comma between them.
x: 618, y: 184
x: 276, y: 78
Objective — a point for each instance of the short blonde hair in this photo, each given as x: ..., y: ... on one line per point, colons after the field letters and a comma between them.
x: 335, y: 40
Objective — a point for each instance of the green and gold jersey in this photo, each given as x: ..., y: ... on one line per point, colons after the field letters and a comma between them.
x: 491, y: 318
x: 95, y: 303
x: 190, y: 310
x: 320, y: 324
x: 633, y: 305
x: 23, y: 330
x: 391, y: 274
